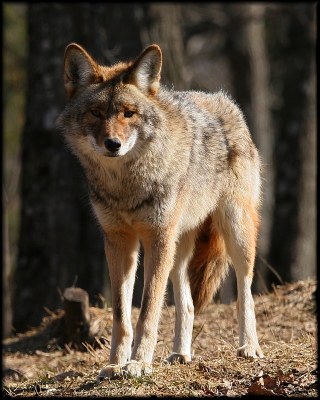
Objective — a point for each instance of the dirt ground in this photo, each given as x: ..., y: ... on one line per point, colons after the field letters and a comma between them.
x: 36, y: 365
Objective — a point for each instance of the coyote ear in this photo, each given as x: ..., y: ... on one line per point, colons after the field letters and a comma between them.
x: 79, y: 68
x: 145, y: 71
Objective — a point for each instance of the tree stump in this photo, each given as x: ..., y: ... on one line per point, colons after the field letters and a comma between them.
x: 77, y: 315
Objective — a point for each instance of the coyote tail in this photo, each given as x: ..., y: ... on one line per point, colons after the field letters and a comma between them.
x: 208, y: 265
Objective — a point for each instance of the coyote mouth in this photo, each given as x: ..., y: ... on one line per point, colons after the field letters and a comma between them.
x: 112, y: 154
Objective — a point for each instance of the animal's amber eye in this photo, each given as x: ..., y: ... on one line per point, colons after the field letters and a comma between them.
x: 96, y: 113
x: 128, y: 114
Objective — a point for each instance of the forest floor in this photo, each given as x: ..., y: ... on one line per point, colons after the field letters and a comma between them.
x: 35, y: 365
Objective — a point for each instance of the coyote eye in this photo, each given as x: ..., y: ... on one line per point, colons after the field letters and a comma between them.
x: 128, y: 114
x: 96, y: 113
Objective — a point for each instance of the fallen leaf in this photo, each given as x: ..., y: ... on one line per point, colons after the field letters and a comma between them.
x: 257, y: 388
x: 285, y: 378
x: 270, y: 382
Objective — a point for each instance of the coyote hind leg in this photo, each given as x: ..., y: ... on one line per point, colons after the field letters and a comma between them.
x: 241, y: 225
x: 183, y: 301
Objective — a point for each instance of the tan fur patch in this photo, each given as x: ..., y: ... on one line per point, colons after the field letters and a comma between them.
x: 208, y: 265
x: 108, y: 73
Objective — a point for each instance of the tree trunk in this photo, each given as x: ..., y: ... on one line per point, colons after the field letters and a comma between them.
x: 7, y: 314
x: 262, y: 131
x: 304, y: 264
x: 237, y: 52
x: 292, y: 45
x: 76, y: 315
x: 164, y: 28
x: 60, y: 241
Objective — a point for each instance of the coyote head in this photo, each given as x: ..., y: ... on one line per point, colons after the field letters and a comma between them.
x: 111, y: 110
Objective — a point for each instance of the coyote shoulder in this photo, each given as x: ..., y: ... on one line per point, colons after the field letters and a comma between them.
x: 176, y: 171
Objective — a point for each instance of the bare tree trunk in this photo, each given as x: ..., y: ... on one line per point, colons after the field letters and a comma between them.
x: 292, y: 44
x: 304, y: 264
x: 76, y: 315
x: 60, y: 242
x: 262, y: 130
x: 237, y: 53
x: 164, y: 28
x: 6, y: 289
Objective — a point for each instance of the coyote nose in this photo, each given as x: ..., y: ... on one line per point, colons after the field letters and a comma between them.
x: 112, y: 145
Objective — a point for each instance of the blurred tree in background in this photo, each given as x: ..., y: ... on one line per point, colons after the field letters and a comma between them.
x: 13, y: 95
x: 292, y: 49
x: 262, y: 54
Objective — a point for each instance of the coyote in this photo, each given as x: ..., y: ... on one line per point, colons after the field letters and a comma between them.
x: 178, y: 173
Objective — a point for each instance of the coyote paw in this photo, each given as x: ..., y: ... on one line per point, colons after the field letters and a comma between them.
x: 250, y: 351
x: 134, y: 369
x: 112, y: 371
x: 178, y: 358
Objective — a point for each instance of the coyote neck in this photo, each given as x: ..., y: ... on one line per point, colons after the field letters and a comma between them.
x: 125, y: 185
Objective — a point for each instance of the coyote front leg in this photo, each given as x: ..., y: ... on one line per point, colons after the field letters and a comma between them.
x: 121, y: 250
x: 159, y: 251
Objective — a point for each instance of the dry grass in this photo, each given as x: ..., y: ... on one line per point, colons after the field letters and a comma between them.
x: 36, y: 365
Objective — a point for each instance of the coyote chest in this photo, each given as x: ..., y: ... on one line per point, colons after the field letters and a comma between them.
x: 120, y: 197
x: 127, y: 194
